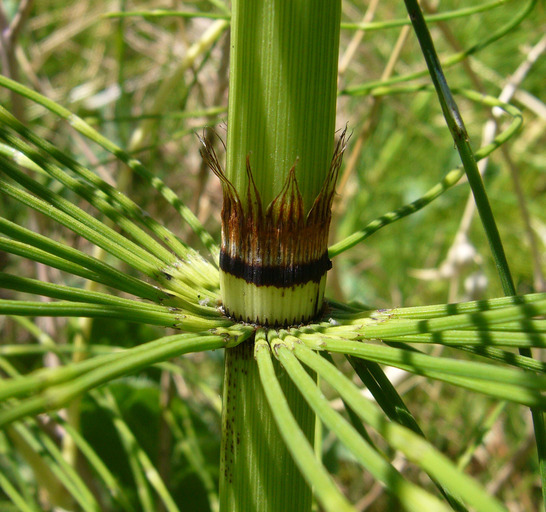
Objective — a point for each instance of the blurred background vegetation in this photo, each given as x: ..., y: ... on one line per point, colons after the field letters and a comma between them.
x: 109, y: 70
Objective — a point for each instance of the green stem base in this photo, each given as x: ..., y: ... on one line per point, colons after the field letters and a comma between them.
x: 256, y: 470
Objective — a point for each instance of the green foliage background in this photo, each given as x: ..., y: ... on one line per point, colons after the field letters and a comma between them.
x: 107, y: 70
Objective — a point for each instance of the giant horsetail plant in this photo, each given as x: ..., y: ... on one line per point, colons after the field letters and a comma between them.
x: 278, y: 190
x: 259, y: 297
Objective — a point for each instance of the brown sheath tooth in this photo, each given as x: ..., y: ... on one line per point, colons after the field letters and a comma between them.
x: 279, y: 246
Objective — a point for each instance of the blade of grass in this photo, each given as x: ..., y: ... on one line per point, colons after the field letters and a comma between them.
x: 458, y: 131
x: 84, y: 493
x: 13, y: 477
x: 45, y: 448
x: 386, y: 396
x: 188, y: 442
x: 482, y: 43
x: 353, y: 417
x: 457, y: 128
x: 44, y: 474
x: 22, y: 503
x: 484, y: 426
x: 96, y: 463
x: 134, y: 450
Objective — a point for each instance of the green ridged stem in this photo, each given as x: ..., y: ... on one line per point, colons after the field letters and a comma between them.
x: 282, y: 106
x: 282, y: 94
x: 257, y: 471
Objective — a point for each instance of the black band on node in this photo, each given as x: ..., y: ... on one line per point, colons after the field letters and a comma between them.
x: 276, y: 275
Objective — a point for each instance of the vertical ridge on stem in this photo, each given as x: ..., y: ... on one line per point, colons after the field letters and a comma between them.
x: 256, y: 469
x: 280, y: 175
